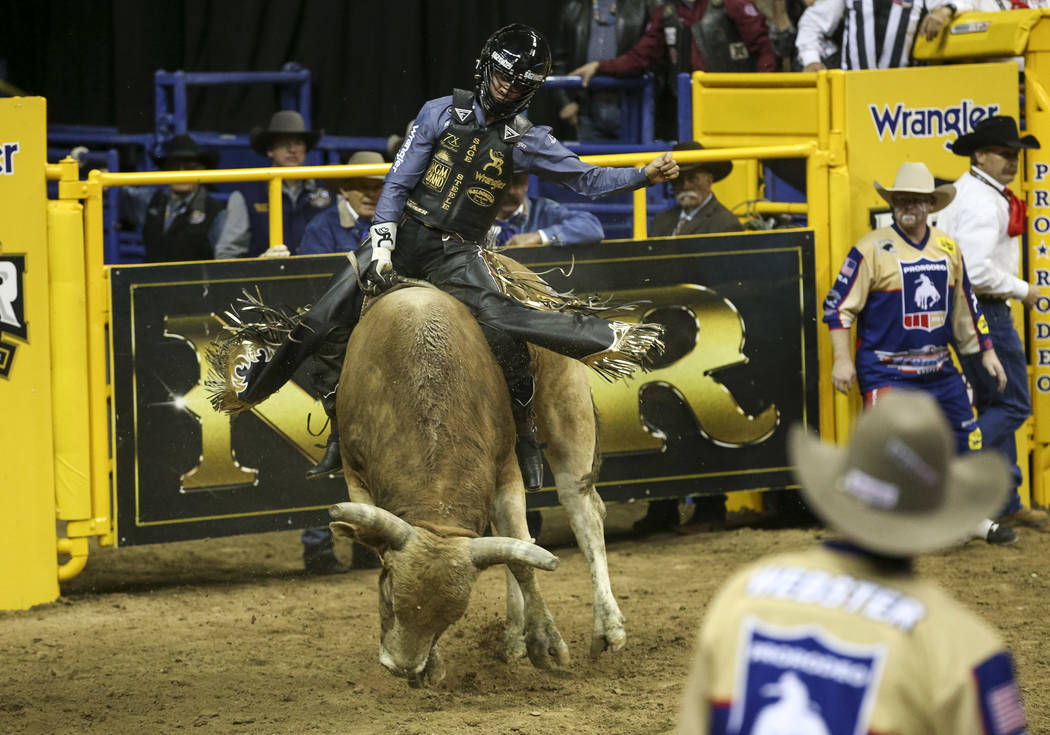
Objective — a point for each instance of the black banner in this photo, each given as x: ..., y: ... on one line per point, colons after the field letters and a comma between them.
x: 710, y: 417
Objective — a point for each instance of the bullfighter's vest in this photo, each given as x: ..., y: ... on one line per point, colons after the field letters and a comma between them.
x: 469, y: 170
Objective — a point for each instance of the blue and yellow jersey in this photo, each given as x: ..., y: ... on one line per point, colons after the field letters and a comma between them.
x: 909, y: 301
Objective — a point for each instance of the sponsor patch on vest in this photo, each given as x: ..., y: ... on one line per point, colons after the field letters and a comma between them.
x: 481, y: 197
x: 436, y: 175
x: 803, y: 676
x: 450, y: 141
x: 510, y: 134
x: 924, y: 292
x: 461, y: 114
x: 12, y: 309
x: 495, y: 162
x: 411, y: 204
x: 946, y: 245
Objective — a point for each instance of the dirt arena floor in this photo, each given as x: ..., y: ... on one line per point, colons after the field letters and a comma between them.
x: 228, y: 636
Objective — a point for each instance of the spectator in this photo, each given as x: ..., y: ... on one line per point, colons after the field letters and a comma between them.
x: 847, y: 637
x: 907, y: 290
x: 697, y: 212
x: 694, y: 35
x: 986, y: 220
x: 595, y: 31
x: 872, y: 35
x: 525, y: 220
x: 180, y: 222
x: 341, y: 228
x: 285, y: 141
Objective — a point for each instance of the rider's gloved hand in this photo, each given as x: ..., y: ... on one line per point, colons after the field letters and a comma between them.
x: 380, y: 272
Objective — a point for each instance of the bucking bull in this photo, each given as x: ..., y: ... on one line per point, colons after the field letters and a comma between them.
x: 427, y: 442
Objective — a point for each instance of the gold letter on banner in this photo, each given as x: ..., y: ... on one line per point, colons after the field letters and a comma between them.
x: 718, y: 344
x: 284, y: 412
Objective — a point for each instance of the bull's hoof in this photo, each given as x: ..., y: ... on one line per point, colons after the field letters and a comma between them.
x: 548, y: 651
x: 610, y: 640
x: 433, y: 673
x: 514, y: 645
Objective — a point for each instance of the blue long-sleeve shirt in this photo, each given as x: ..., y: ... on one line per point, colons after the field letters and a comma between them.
x: 537, y: 152
x: 559, y: 224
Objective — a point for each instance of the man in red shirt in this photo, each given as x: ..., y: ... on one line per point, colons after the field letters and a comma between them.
x: 694, y: 35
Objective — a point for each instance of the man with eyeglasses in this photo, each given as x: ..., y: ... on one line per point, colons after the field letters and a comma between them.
x: 905, y: 288
x: 986, y: 220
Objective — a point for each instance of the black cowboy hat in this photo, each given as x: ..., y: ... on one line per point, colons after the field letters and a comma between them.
x: 718, y: 169
x: 185, y: 148
x: 997, y: 130
x: 283, y: 122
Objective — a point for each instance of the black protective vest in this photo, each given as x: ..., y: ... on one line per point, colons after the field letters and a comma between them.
x: 187, y: 238
x: 468, y: 172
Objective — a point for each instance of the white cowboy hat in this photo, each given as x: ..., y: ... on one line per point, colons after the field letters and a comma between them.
x: 898, y: 489
x: 915, y: 178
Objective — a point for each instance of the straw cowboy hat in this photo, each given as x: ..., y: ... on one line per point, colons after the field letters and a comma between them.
x: 718, y: 169
x: 360, y: 158
x: 915, y: 178
x: 996, y: 130
x: 898, y: 489
x: 185, y: 148
x: 283, y: 122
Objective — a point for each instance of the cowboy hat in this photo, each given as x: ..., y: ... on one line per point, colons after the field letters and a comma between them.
x: 360, y: 158
x: 283, y: 122
x: 718, y: 169
x: 915, y: 178
x: 996, y: 130
x: 898, y: 489
x: 184, y: 148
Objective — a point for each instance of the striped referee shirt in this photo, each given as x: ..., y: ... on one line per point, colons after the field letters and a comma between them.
x: 876, y: 34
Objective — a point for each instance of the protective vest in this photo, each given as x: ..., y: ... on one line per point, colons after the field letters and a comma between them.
x: 716, y: 36
x: 312, y: 199
x: 719, y: 41
x: 187, y: 237
x: 468, y: 172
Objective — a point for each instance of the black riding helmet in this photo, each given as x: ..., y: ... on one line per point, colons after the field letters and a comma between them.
x: 522, y: 57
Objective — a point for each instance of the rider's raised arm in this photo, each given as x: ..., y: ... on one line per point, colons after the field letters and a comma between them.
x: 541, y: 153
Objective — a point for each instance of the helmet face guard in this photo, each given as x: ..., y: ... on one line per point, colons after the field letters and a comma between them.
x: 516, y: 58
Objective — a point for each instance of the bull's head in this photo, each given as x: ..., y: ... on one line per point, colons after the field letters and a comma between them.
x: 426, y: 581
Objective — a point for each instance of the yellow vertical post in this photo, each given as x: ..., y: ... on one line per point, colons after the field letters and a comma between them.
x: 276, y: 212
x: 641, y: 231
x: 28, y: 556
x: 69, y: 379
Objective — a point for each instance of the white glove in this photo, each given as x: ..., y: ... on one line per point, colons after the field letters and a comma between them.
x: 379, y: 272
x: 277, y: 251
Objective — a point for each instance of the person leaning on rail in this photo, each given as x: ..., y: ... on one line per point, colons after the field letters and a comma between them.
x: 285, y: 141
x: 847, y: 637
x: 906, y: 289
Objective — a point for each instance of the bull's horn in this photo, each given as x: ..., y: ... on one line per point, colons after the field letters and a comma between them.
x: 487, y: 551
x: 381, y: 522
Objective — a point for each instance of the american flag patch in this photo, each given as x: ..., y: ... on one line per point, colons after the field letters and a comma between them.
x: 1005, y: 710
x: 1002, y: 711
x: 848, y: 267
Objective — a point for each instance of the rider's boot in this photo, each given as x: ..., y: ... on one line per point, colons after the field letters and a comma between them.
x: 331, y: 464
x: 265, y: 377
x: 528, y: 446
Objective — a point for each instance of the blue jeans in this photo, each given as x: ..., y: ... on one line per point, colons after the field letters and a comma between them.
x: 1001, y: 414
